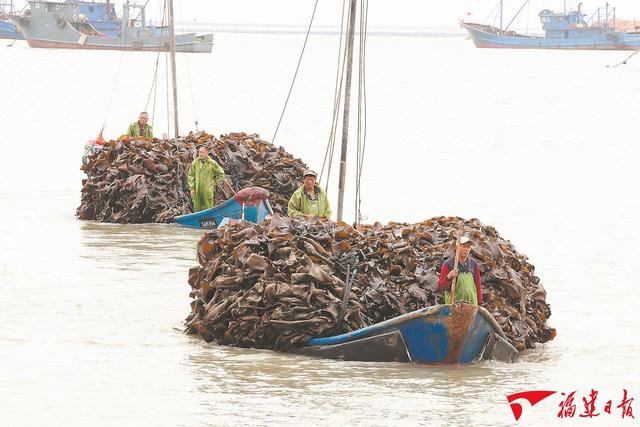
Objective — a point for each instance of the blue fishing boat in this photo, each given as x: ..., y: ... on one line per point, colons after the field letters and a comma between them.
x: 101, y: 16
x: 443, y: 334
x: 7, y: 29
x: 62, y: 25
x: 563, y: 30
x: 250, y: 204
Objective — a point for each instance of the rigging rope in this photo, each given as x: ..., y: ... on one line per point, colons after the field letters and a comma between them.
x: 624, y: 61
x: 140, y: 11
x: 155, y: 86
x: 362, y: 108
x: 113, y: 90
x: 186, y: 61
x: 340, y: 71
x: 166, y: 75
x: 492, y: 14
x: 315, y: 6
x: 516, y: 15
x: 154, y: 81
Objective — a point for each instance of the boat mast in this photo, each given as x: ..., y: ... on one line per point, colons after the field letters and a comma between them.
x: 108, y: 5
x: 172, y: 49
x: 500, y: 16
x: 345, y: 117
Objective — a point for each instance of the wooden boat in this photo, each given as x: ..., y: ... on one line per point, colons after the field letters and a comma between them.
x: 250, y: 204
x: 443, y: 334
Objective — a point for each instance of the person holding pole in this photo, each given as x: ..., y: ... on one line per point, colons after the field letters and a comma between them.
x: 461, y: 272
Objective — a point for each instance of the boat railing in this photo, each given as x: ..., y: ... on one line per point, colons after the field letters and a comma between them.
x: 7, y: 8
x: 603, y: 17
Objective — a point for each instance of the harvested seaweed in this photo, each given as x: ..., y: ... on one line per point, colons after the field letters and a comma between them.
x: 278, y: 284
x: 143, y: 181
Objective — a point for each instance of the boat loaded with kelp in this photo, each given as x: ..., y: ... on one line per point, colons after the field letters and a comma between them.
x: 369, y: 293
x: 311, y: 286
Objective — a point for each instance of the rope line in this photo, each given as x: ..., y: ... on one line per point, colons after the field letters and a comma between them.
x: 362, y: 108
x: 624, y: 61
x: 284, y: 108
x: 340, y: 71
x: 113, y: 90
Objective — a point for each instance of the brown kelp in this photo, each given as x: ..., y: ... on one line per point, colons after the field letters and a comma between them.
x: 142, y: 181
x: 278, y: 284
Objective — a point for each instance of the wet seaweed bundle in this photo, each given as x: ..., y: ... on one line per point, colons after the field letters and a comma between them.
x: 278, y: 284
x: 142, y: 181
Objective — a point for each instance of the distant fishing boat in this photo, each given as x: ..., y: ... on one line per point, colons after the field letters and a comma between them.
x: 102, y: 16
x: 563, y: 30
x: 62, y: 25
x: 250, y: 204
x: 457, y: 333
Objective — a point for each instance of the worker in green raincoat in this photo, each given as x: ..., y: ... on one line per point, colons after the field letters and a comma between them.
x: 468, y: 287
x: 141, y: 127
x: 309, y: 199
x: 204, y: 174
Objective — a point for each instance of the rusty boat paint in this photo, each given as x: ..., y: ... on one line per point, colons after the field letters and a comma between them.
x: 443, y: 334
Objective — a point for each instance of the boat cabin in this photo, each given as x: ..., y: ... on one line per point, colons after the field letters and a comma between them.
x: 573, y: 25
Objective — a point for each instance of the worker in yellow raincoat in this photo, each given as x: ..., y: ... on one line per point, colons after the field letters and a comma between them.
x: 310, y: 199
x: 141, y: 127
x: 204, y: 173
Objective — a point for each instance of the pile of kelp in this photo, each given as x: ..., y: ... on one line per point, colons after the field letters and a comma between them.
x: 142, y: 180
x: 279, y: 284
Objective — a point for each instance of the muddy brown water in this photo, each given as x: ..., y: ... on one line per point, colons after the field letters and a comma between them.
x: 92, y: 313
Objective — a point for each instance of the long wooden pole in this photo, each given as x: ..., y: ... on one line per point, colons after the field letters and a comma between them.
x: 455, y: 263
x: 172, y: 50
x: 347, y: 99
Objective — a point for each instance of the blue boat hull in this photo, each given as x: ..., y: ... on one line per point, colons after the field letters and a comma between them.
x: 443, y: 334
x: 603, y: 41
x: 212, y: 218
x: 8, y: 31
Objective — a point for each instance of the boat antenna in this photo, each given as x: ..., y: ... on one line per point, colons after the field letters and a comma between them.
x: 345, y: 116
x: 172, y: 50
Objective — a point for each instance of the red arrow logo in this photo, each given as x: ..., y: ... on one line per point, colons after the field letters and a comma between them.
x: 532, y: 397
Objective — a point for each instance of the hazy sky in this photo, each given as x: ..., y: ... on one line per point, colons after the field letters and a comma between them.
x: 394, y: 13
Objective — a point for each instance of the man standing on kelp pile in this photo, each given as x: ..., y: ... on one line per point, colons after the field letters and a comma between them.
x: 204, y: 174
x: 468, y: 287
x: 141, y: 127
x: 309, y: 200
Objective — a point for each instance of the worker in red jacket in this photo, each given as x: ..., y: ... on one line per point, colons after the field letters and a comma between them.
x: 468, y: 287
